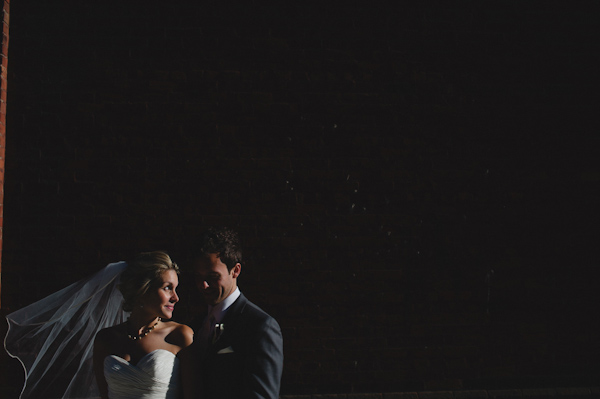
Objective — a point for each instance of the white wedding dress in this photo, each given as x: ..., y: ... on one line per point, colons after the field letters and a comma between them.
x: 53, y: 339
x: 155, y: 376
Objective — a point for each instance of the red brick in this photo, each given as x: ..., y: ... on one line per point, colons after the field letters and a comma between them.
x: 505, y: 394
x: 436, y: 395
x: 572, y: 392
x: 539, y: 393
x: 364, y: 396
x: 330, y: 396
x: 475, y: 394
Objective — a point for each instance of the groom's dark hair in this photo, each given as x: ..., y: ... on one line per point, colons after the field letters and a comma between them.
x: 221, y: 241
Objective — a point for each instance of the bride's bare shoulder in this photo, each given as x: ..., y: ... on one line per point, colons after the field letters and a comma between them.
x: 180, y: 334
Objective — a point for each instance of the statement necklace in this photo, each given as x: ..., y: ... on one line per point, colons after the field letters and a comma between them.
x: 145, y: 331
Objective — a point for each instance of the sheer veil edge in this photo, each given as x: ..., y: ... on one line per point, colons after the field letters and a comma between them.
x: 53, y: 338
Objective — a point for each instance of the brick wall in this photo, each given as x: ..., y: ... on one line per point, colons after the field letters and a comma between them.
x: 570, y: 393
x: 3, y: 85
x: 415, y: 185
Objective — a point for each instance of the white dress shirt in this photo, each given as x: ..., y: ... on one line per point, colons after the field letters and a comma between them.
x: 219, y: 310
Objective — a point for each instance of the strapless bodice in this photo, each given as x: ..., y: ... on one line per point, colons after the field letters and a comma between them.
x: 155, y: 376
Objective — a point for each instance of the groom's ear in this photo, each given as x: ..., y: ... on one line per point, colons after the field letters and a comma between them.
x: 236, y: 270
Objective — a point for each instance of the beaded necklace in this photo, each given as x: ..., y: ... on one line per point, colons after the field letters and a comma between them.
x: 145, y: 331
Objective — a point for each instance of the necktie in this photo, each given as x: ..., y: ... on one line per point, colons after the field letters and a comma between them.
x: 206, y: 332
x: 211, y: 331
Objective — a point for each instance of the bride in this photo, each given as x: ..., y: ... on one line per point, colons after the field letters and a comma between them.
x: 137, y: 358
x: 131, y: 357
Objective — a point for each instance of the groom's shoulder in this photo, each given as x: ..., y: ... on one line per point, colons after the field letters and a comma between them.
x: 253, y: 311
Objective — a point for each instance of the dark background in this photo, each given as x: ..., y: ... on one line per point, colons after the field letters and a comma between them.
x: 415, y: 184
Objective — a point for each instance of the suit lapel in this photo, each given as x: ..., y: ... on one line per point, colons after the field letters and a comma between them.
x: 235, y: 310
x: 229, y: 323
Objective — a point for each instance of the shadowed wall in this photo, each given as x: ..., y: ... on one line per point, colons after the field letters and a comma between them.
x: 415, y: 185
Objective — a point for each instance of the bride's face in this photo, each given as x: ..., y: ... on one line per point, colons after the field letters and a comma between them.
x: 162, y: 299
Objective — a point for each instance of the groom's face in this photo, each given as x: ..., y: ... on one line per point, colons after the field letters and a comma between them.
x: 213, y: 280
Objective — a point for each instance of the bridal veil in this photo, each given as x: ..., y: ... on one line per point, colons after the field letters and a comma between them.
x: 53, y: 338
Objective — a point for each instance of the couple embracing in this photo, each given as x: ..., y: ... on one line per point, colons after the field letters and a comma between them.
x: 237, y: 351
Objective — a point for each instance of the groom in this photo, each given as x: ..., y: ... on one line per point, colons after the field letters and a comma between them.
x: 238, y: 351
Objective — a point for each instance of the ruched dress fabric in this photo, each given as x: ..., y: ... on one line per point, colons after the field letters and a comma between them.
x: 155, y: 376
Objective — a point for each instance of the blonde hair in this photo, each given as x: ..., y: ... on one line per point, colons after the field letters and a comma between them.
x: 141, y: 274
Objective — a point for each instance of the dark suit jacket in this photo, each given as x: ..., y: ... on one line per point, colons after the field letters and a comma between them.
x: 246, y: 361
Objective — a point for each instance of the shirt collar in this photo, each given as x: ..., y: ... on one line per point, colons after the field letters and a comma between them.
x: 219, y: 310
